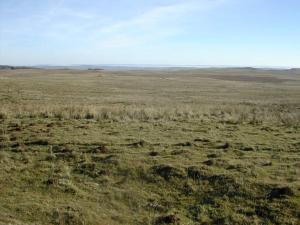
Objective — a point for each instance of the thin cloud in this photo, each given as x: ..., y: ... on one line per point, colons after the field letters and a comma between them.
x: 160, y: 14
x: 157, y: 23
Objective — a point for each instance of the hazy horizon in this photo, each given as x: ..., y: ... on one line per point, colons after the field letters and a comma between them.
x: 154, y: 66
x: 211, y: 33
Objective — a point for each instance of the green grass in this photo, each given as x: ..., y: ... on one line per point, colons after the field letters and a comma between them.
x: 149, y: 147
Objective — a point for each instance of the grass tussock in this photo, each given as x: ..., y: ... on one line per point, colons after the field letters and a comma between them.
x: 253, y: 114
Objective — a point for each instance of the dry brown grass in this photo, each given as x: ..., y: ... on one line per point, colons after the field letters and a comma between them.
x: 256, y: 114
x: 152, y: 95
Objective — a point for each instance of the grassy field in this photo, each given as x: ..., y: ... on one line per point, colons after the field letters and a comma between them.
x: 165, y: 146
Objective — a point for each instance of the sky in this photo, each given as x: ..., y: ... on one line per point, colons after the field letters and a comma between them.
x: 153, y: 32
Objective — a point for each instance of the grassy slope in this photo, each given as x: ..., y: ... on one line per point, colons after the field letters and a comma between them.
x: 179, y: 169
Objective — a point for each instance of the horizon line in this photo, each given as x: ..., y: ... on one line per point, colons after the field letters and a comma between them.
x: 153, y: 66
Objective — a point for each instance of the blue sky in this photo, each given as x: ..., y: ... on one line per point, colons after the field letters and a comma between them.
x: 177, y: 32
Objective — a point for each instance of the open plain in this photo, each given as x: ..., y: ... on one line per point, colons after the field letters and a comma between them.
x: 149, y: 146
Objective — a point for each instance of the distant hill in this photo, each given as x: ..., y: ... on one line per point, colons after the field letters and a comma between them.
x: 296, y: 70
x: 7, y: 67
x: 147, y: 67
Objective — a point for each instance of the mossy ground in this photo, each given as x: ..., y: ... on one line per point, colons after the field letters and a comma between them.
x: 89, y: 172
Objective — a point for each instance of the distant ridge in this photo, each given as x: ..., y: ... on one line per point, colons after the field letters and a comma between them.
x: 159, y: 66
x: 7, y: 67
x: 144, y: 66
